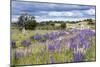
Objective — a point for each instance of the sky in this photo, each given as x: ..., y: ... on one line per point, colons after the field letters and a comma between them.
x: 52, y: 11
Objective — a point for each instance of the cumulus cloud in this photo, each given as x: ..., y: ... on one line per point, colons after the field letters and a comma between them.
x: 55, y: 13
x: 14, y: 18
x: 90, y: 11
x: 66, y: 13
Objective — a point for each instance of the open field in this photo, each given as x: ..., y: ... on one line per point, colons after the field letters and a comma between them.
x: 53, y: 46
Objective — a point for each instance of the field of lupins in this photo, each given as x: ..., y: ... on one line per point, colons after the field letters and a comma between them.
x: 52, y: 46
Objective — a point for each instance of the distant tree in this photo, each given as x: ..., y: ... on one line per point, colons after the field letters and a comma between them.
x: 90, y: 22
x: 26, y: 21
x: 52, y: 24
x: 30, y: 25
x: 21, y: 21
x: 63, y: 26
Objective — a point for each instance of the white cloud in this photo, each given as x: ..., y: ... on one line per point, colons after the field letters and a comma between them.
x: 54, y: 13
x: 66, y: 13
x: 78, y: 13
x: 90, y: 11
x: 14, y: 18
x: 60, y: 19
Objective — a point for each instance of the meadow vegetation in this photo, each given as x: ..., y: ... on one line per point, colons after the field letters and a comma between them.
x: 49, y: 42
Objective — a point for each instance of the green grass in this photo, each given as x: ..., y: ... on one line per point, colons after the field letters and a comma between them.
x: 91, y: 52
x: 44, y: 58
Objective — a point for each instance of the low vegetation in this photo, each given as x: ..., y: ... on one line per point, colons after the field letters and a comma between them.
x: 49, y: 42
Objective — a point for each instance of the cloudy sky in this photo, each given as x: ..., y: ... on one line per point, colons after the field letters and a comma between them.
x: 52, y: 11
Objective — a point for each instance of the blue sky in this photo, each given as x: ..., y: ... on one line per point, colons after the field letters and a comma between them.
x: 52, y: 11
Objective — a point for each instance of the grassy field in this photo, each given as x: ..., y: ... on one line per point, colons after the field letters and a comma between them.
x: 53, y: 46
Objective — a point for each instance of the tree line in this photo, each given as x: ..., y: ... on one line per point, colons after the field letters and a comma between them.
x: 29, y: 23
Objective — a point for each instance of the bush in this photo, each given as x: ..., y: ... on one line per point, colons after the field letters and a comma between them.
x: 30, y: 25
x: 63, y: 26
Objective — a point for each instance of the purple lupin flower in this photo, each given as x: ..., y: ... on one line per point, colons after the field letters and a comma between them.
x: 78, y: 56
x: 46, y: 35
x: 26, y: 43
x: 51, y: 47
x: 73, y: 45
x: 15, y: 55
x: 80, y: 40
x: 75, y: 30
x: 36, y: 37
x: 62, y: 33
x: 53, y: 35
x: 84, y: 43
x: 88, y: 32
x: 13, y: 44
x: 52, y: 60
x: 57, y: 46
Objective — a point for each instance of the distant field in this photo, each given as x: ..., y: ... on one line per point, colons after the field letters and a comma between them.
x: 78, y: 25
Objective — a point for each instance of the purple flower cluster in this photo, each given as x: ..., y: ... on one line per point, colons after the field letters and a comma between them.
x: 81, y: 40
x: 36, y: 37
x: 52, y: 36
x: 56, y: 45
x: 52, y: 60
x: 78, y: 57
x: 51, y: 47
x: 88, y: 32
x: 76, y: 43
x: 13, y: 44
x: 26, y: 43
x: 16, y: 54
x: 48, y: 36
x: 62, y: 33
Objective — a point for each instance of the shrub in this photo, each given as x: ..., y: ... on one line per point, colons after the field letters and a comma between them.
x: 63, y: 26
x: 30, y: 25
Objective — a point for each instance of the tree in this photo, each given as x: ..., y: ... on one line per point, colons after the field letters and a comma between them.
x: 89, y: 20
x: 26, y: 21
x: 63, y: 25
x: 21, y: 22
x: 52, y: 24
x: 30, y: 25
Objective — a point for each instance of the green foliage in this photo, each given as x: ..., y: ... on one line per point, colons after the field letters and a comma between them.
x: 63, y: 26
x: 20, y: 21
x: 30, y: 25
x: 26, y: 22
x: 90, y: 54
x: 89, y: 20
x: 52, y: 24
x: 91, y: 23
